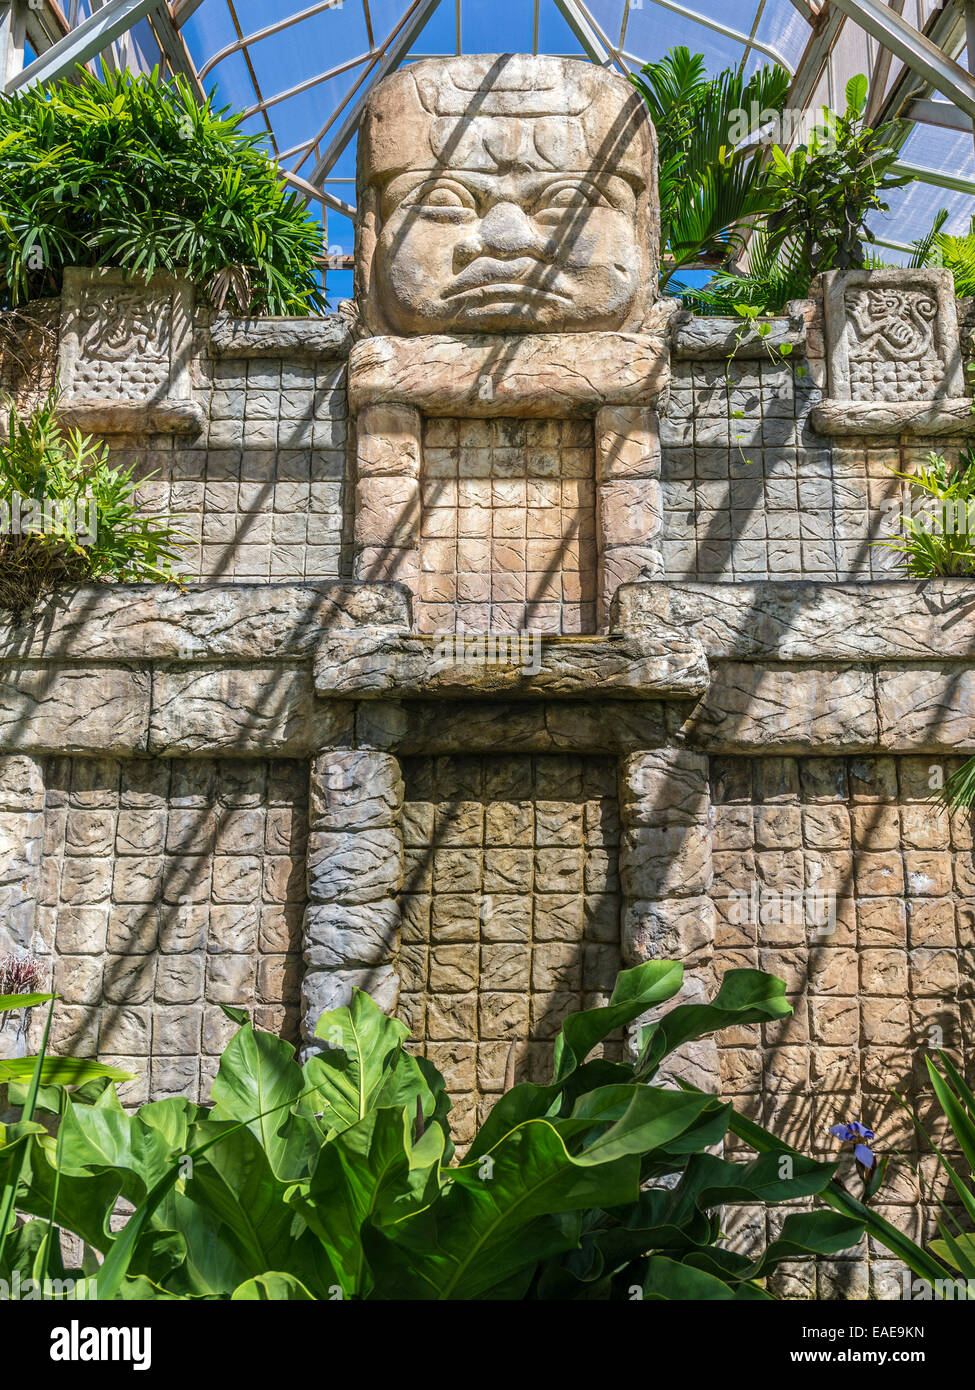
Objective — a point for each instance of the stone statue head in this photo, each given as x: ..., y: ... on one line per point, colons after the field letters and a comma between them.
x: 506, y: 194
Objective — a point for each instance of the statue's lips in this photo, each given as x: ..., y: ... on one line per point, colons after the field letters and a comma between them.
x: 506, y: 280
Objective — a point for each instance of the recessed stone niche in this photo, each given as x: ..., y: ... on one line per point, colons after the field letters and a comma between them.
x: 510, y: 912
x: 508, y: 526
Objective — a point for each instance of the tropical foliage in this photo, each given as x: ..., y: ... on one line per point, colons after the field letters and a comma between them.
x: 936, y: 541
x: 70, y: 515
x: 338, y: 1178
x: 131, y: 171
x: 816, y: 201
x: 711, y: 187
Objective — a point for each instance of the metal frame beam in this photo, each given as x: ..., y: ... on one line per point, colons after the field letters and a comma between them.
x: 84, y: 42
x: 399, y: 44
x: 813, y: 62
x: 939, y: 113
x: 173, y: 47
x: 592, y: 40
x: 913, y: 48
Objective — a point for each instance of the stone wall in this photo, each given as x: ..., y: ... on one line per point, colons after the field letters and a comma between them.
x: 511, y: 912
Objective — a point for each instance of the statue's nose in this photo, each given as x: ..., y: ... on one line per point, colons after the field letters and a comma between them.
x: 506, y: 230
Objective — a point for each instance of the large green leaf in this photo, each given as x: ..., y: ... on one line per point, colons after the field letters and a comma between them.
x: 60, y: 1071
x: 364, y: 1066
x: 745, y: 996
x: 635, y: 991
x: 272, y: 1287
x: 499, y: 1217
x: 370, y: 1172
x: 258, y: 1077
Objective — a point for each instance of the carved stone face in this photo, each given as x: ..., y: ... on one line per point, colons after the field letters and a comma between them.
x: 506, y: 194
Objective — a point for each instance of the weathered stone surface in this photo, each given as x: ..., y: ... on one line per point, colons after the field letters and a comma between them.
x: 125, y: 346
x: 337, y: 935
x: 323, y: 990
x: 629, y: 512
x: 389, y: 441
x: 898, y: 620
x: 679, y: 929
x: 892, y: 335
x: 387, y: 512
x: 354, y: 867
x: 320, y: 338
x: 536, y: 375
x: 666, y: 861
x: 926, y: 706
x: 242, y: 622
x: 665, y: 787
x: 355, y: 790
x: 608, y: 726
x: 370, y: 664
x: 949, y: 415
x: 826, y: 708
x: 477, y: 197
x: 627, y: 443
x: 246, y: 709
x: 58, y: 708
x: 720, y: 337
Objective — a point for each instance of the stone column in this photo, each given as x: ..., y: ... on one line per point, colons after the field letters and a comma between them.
x: 21, y: 844
x: 628, y: 500
x: 355, y: 870
x: 387, y: 494
x: 666, y: 874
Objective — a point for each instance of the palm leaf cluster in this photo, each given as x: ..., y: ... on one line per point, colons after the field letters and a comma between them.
x: 711, y: 184
x: 131, y: 171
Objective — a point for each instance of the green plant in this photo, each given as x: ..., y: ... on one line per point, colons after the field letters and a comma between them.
x: 955, y: 253
x: 132, y: 171
x: 773, y: 277
x: 69, y: 515
x: 946, y: 1264
x: 335, y: 1178
x: 712, y: 186
x: 937, y: 543
x: 825, y: 190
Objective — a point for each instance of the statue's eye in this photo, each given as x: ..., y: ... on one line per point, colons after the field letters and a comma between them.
x: 575, y: 195
x: 449, y: 197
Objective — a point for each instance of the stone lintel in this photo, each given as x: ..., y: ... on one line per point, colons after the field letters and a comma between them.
x: 534, y: 374
x: 363, y: 665
x: 783, y: 620
x: 322, y: 338
x: 848, y: 419
x: 703, y: 339
x: 182, y: 417
x: 219, y: 622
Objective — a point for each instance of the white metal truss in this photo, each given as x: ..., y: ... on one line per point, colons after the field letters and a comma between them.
x: 916, y: 76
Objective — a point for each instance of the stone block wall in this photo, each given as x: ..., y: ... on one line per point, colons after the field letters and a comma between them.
x: 165, y: 888
x: 842, y: 877
x: 510, y: 913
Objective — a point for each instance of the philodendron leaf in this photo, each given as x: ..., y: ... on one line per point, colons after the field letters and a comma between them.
x: 23, y: 1001
x: 364, y: 1066
x: 370, y: 1173
x: 808, y: 1233
x: 636, y: 991
x: 272, y: 1287
x: 60, y: 1071
x: 498, y: 1218
x: 745, y: 996
x: 671, y: 1281
x: 258, y: 1076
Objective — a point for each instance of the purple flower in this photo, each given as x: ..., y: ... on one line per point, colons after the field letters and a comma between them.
x: 852, y: 1133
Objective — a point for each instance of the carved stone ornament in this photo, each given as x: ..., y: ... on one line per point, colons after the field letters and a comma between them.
x: 506, y: 194
x: 125, y: 348
x: 894, y: 354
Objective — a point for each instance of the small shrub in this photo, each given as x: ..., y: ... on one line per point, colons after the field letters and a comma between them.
x: 69, y: 516
x: 130, y: 171
x: 937, y: 543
